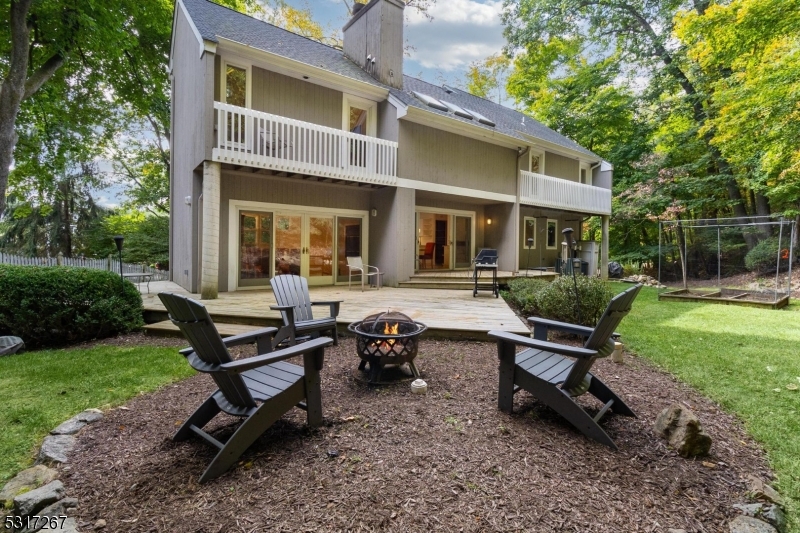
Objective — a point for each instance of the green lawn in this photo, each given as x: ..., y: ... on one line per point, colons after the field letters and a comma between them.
x: 39, y: 390
x: 743, y: 358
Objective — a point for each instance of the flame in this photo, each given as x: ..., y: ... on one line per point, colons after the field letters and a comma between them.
x: 393, y: 330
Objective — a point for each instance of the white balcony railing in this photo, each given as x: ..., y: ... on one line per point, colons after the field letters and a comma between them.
x: 252, y: 138
x: 557, y: 193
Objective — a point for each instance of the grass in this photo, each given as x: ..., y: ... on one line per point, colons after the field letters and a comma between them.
x: 39, y: 390
x: 741, y: 357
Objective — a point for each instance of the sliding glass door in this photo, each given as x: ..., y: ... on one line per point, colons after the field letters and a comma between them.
x: 445, y: 240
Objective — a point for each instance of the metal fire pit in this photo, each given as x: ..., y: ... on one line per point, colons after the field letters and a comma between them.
x: 389, y: 338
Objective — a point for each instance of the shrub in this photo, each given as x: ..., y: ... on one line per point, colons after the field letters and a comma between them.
x: 557, y: 300
x: 764, y: 256
x: 522, y: 294
x: 55, y: 306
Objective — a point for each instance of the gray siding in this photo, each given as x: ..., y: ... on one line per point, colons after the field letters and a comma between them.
x: 289, y: 97
x: 435, y: 156
x: 377, y: 31
x: 388, y: 126
x: 292, y: 192
x: 602, y: 179
x: 192, y: 137
x: 391, y: 234
x: 501, y: 234
x: 561, y: 167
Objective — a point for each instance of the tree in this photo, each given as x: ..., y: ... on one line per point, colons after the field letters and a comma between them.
x: 300, y: 21
x: 487, y: 76
x: 639, y: 33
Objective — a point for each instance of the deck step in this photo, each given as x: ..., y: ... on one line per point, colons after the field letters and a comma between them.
x: 168, y: 329
x: 433, y: 283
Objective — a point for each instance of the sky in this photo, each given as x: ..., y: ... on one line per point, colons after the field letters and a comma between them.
x: 460, y: 32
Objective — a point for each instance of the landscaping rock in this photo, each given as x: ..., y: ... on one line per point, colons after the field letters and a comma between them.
x: 90, y: 416
x: 747, y: 524
x: 775, y: 516
x: 762, y: 491
x: 26, y: 481
x: 28, y: 503
x: 57, y: 509
x: 749, y: 509
x: 69, y: 526
x: 70, y: 427
x: 56, y: 448
x: 683, y: 431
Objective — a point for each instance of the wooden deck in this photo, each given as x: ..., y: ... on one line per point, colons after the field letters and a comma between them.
x: 447, y: 313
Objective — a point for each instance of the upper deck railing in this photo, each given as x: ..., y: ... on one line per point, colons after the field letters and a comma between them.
x: 256, y: 139
x: 557, y: 193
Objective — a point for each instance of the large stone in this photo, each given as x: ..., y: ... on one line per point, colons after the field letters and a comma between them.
x: 56, y: 448
x: 775, y: 516
x: 747, y: 524
x: 69, y: 526
x: 28, y: 503
x: 90, y: 416
x: 26, y: 481
x: 762, y: 491
x: 683, y: 431
x: 69, y: 427
x: 55, y: 510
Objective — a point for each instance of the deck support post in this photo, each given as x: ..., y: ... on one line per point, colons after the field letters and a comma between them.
x: 209, y: 281
x: 604, y: 247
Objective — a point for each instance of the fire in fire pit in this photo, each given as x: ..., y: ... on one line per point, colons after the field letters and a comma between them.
x: 389, y: 338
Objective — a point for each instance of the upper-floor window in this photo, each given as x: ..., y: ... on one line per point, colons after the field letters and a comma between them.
x: 235, y: 83
x: 586, y: 174
x: 537, y: 162
x: 359, y: 116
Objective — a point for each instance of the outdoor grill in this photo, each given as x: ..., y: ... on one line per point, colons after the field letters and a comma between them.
x: 389, y: 338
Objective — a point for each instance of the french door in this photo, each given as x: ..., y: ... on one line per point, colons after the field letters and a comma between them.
x: 312, y: 245
x: 445, y: 239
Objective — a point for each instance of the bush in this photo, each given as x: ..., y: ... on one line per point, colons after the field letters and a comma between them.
x: 56, y: 306
x: 764, y: 256
x: 522, y: 294
x: 556, y: 300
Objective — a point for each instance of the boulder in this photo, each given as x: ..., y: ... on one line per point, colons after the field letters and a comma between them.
x: 26, y: 481
x: 682, y: 429
x: 57, y: 510
x: 614, y: 270
x: 69, y: 427
x: 762, y: 491
x: 28, y: 503
x: 764, y: 511
x: 90, y: 416
x: 55, y: 449
x: 747, y: 524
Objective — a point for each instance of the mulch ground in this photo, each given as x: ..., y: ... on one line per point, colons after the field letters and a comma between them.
x: 388, y: 460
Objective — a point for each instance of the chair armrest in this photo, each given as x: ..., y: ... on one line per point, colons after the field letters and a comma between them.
x: 288, y: 309
x: 545, y: 325
x: 334, y: 305
x: 274, y: 357
x: 249, y: 337
x: 561, y: 349
x: 374, y: 267
x: 355, y: 268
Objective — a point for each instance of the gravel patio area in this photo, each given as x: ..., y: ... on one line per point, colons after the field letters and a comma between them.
x: 387, y: 460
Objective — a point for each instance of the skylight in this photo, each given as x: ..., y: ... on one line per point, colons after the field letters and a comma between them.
x: 458, y: 111
x: 481, y: 118
x: 430, y: 101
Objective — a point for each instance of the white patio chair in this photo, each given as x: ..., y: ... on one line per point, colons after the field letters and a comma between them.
x: 357, y: 266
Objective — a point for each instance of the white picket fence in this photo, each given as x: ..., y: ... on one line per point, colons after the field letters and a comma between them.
x: 107, y: 263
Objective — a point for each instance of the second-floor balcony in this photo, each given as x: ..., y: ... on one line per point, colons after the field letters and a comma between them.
x: 557, y: 193
x: 255, y: 139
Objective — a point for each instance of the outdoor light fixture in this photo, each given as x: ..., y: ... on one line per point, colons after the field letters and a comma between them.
x: 118, y: 241
x: 489, y: 221
x: 572, y: 246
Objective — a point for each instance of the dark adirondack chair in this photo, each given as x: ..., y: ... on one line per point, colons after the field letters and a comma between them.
x: 294, y: 303
x: 556, y: 374
x: 259, y: 389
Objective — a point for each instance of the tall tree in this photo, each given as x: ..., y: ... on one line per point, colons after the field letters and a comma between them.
x: 640, y: 33
x: 487, y: 78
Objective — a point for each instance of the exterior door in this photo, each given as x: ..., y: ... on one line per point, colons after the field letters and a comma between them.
x: 288, y: 244
x: 462, y: 229
x: 255, y: 248
x: 319, y: 249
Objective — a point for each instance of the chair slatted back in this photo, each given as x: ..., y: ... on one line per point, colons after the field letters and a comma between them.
x: 355, y: 262
x: 600, y: 339
x: 193, y: 320
x: 292, y: 290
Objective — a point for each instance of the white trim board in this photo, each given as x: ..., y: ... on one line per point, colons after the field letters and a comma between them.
x: 235, y: 206
x: 458, y: 191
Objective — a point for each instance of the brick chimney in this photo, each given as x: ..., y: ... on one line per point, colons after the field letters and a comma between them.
x: 373, y: 39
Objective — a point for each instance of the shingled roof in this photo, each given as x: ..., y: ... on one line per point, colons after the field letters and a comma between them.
x: 214, y: 21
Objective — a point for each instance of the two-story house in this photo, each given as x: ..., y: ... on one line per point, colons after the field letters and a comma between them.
x: 289, y: 156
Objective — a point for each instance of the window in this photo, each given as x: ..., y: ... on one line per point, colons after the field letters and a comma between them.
x: 537, y: 162
x: 359, y: 116
x: 529, y: 232
x: 586, y: 174
x: 552, y: 234
x: 235, y: 84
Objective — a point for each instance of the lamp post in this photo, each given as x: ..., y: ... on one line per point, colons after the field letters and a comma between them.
x: 118, y: 241
x: 571, y: 247
x: 528, y: 260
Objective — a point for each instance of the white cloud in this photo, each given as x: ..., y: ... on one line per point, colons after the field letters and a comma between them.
x: 462, y: 31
